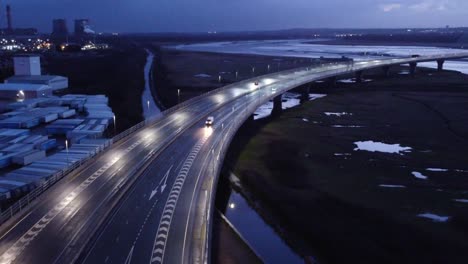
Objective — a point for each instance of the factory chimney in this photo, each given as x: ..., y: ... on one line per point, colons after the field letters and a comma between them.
x: 8, y: 14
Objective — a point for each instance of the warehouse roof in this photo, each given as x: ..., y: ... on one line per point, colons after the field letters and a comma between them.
x: 23, y: 86
x: 35, y: 78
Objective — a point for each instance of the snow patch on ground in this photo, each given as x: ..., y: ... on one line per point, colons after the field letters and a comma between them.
x: 434, y: 217
x: 263, y: 111
x: 461, y: 66
x: 337, y: 114
x: 419, y: 175
x: 461, y: 200
x: 316, y: 96
x: 381, y: 147
x: 437, y: 169
x: 350, y: 126
x: 289, y: 100
x: 305, y: 119
x: 391, y: 186
x: 353, y: 80
x: 342, y: 154
x: 202, y: 75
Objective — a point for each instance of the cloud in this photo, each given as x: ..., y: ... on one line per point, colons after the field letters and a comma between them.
x: 390, y: 7
x: 429, y: 6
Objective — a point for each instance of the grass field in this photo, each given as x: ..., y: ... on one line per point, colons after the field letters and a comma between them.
x: 303, y: 167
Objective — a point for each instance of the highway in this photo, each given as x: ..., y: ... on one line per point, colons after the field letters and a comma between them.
x: 148, y: 199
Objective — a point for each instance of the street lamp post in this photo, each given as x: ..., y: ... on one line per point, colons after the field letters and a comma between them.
x: 66, y: 147
x: 147, y: 102
x: 178, y: 96
x: 115, y: 125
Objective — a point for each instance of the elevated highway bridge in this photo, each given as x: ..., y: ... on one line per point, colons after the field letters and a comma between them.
x: 150, y: 197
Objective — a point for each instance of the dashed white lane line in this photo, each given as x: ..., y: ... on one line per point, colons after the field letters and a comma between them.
x: 159, y: 245
x: 15, y: 250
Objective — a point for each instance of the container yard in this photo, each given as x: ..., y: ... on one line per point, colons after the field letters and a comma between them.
x: 33, y: 134
x: 18, y: 182
x: 42, y: 135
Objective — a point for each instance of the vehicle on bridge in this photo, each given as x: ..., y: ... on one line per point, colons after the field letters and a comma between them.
x: 209, y: 121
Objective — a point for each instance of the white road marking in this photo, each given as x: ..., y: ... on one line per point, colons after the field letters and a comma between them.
x: 163, y: 186
x: 15, y: 250
x: 129, y: 257
x: 159, y: 246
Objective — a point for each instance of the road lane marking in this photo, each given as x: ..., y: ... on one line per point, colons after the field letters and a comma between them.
x: 129, y: 257
x: 15, y: 250
x: 163, y: 186
x: 159, y: 245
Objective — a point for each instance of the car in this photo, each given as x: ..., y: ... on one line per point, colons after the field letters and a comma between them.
x: 209, y: 121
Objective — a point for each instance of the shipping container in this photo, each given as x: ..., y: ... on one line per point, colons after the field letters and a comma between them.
x: 28, y: 157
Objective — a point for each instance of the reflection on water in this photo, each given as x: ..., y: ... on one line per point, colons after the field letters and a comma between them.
x: 261, y: 237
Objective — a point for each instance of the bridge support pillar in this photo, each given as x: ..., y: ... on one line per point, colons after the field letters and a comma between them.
x: 413, y: 66
x: 277, y: 105
x: 305, y: 93
x: 386, y: 71
x: 440, y: 65
x: 358, y: 75
x: 332, y: 81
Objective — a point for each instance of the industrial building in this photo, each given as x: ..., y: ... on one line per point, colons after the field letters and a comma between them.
x: 10, y: 30
x: 81, y: 25
x: 27, y: 65
x: 54, y: 81
x: 28, y: 82
x: 59, y: 28
x: 21, y: 91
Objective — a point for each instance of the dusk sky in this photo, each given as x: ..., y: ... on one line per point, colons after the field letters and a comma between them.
x: 224, y: 15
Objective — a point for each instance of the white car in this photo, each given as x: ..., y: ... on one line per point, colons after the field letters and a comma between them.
x: 209, y: 121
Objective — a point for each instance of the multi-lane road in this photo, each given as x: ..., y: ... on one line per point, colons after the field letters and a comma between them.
x: 149, y: 198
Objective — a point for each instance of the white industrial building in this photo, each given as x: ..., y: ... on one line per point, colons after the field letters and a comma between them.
x: 28, y: 82
x: 54, y: 81
x: 27, y: 65
x: 21, y: 91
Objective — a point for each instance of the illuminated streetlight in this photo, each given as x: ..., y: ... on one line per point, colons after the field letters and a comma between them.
x: 147, y: 102
x: 178, y: 96
x: 66, y: 147
x: 232, y: 205
x: 115, y: 125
